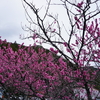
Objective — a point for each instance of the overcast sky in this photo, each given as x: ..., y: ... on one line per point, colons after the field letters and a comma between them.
x: 12, y: 18
x: 12, y: 15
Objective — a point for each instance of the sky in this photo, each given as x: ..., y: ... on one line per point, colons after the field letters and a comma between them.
x: 12, y: 19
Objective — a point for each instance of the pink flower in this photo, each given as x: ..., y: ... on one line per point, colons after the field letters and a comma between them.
x: 78, y: 10
x: 77, y: 25
x: 77, y: 19
x: 99, y: 45
x: 40, y: 95
x: 35, y: 36
x: 53, y: 30
x: 65, y: 44
x: 76, y: 42
x: 1, y: 77
x: 54, y: 51
x: 68, y: 50
x: 80, y: 4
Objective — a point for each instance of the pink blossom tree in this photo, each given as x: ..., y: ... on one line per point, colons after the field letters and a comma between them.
x: 78, y: 35
x: 57, y: 73
x: 33, y: 73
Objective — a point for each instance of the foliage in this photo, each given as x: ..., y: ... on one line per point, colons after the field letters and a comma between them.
x: 79, y: 36
x: 41, y: 73
x: 33, y: 73
x: 38, y: 74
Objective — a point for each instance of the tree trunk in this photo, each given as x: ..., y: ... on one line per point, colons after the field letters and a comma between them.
x: 88, y: 91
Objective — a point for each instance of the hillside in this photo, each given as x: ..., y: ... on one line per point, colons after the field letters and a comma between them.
x: 4, y: 44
